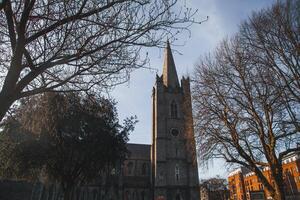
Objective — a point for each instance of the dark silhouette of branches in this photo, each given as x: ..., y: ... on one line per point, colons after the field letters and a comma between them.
x: 79, y: 45
x: 246, y: 95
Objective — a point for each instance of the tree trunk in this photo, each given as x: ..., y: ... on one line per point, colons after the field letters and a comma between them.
x: 5, y: 103
x: 279, y: 193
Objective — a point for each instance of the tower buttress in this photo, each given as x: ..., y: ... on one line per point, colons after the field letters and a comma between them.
x: 173, y: 174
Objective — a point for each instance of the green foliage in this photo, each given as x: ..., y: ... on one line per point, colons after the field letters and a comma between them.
x: 17, y: 148
x: 67, y: 138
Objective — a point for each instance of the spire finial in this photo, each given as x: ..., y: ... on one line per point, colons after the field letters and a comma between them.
x: 169, y: 70
x: 168, y: 42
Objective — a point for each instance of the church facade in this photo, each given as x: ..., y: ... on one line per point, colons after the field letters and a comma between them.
x: 166, y: 169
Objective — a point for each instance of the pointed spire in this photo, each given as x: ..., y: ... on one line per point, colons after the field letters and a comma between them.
x: 169, y: 70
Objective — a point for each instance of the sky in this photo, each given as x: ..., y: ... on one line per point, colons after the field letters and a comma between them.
x: 134, y: 97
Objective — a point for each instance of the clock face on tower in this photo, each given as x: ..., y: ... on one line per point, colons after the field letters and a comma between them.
x: 174, y: 132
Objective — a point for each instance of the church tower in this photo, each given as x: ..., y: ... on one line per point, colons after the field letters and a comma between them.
x: 174, y: 164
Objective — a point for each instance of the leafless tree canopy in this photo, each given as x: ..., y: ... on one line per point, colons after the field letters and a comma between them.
x: 274, y: 41
x: 246, y: 95
x: 61, y: 45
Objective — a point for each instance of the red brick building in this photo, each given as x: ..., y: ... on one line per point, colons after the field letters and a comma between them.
x: 245, y: 185
x: 236, y: 184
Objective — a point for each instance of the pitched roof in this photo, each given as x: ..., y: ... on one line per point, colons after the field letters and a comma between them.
x: 139, y: 151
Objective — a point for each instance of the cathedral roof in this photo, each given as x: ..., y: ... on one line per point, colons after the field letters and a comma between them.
x: 169, y: 70
x: 139, y: 151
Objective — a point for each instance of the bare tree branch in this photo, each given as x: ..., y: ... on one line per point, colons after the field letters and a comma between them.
x: 246, y: 95
x: 71, y: 46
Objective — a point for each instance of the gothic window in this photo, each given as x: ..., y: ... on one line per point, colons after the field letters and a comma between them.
x: 95, y: 194
x: 84, y: 194
x: 174, y: 132
x: 143, y: 195
x: 130, y: 168
x: 144, y: 169
x: 127, y: 195
x: 177, y: 172
x: 174, y: 111
x: 78, y: 193
x: 161, y: 175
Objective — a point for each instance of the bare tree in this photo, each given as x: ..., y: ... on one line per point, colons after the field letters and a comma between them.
x: 245, y: 111
x: 215, y: 188
x: 59, y: 45
x: 272, y: 37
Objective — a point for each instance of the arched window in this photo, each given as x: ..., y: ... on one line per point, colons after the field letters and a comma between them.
x: 127, y: 195
x: 95, y: 194
x: 174, y: 113
x: 144, y: 169
x: 133, y: 195
x: 161, y: 175
x: 130, y: 168
x: 177, y: 172
x: 143, y: 195
x: 78, y: 193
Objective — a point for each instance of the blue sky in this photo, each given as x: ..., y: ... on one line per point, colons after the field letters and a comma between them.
x: 134, y: 97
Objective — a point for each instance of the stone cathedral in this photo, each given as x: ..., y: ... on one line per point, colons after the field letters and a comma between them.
x: 169, y: 163
x: 174, y: 172
x: 166, y: 169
